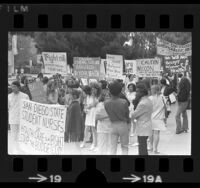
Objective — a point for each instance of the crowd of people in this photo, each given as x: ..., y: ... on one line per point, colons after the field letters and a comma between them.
x: 105, y: 114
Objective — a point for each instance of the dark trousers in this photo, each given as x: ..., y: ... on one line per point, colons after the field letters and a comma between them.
x: 142, y: 140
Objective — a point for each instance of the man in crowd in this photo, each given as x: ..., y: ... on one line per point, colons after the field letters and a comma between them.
x: 183, y: 98
x: 14, y: 100
x: 118, y: 112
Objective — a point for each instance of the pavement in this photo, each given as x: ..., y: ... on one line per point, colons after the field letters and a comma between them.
x: 170, y: 143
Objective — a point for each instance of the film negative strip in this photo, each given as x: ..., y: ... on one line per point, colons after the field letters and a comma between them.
x: 46, y: 141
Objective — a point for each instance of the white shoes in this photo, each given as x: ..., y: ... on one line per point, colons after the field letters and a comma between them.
x: 82, y: 145
x: 92, y: 147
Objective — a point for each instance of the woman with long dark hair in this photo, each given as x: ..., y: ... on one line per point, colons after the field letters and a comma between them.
x: 143, y: 109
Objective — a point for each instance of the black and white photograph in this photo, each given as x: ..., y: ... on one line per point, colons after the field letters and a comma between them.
x: 99, y: 93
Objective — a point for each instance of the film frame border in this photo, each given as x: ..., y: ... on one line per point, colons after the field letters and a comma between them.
x: 143, y: 19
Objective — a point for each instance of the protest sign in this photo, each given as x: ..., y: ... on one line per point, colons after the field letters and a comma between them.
x: 55, y: 62
x: 87, y: 67
x: 37, y: 91
x: 114, y: 68
x: 148, y: 67
x: 176, y: 63
x: 42, y: 128
x: 168, y: 49
x: 131, y: 67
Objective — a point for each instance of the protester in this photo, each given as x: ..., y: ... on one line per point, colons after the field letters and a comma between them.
x: 14, y: 100
x: 52, y: 93
x: 118, y: 113
x: 45, y: 81
x: 131, y: 96
x: 143, y: 110
x: 103, y: 125
x: 25, y: 88
x: 39, y: 77
x: 91, y: 102
x: 183, y: 95
x: 158, y: 117
x: 74, y: 128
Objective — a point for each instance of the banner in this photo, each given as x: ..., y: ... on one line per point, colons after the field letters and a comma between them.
x: 87, y: 67
x: 37, y: 91
x: 42, y: 128
x: 148, y: 67
x: 168, y: 49
x: 131, y: 67
x: 55, y: 62
x: 176, y: 63
x: 114, y: 68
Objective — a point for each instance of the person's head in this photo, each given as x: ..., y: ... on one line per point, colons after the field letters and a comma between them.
x: 115, y: 88
x: 86, y: 90
x: 40, y: 76
x: 131, y: 87
x: 163, y: 82
x: 141, y: 90
x: 180, y: 75
x: 45, y: 80
x: 131, y: 77
x: 15, y: 86
x: 95, y: 89
x: 104, y: 96
x: 75, y: 94
x: 155, y: 90
x: 51, y: 87
x: 103, y: 84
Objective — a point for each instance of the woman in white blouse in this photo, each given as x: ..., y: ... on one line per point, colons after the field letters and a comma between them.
x: 158, y: 117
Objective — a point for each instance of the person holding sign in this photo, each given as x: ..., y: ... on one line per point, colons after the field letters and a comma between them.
x: 52, y: 93
x: 14, y: 100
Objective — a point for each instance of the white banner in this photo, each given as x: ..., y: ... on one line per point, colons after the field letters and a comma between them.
x: 148, y: 67
x: 131, y: 66
x: 42, y: 128
x: 55, y: 62
x: 168, y: 49
x: 114, y: 68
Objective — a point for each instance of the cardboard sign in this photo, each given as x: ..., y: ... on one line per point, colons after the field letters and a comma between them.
x: 176, y: 63
x: 55, y: 62
x: 148, y: 67
x: 42, y: 128
x: 114, y: 68
x: 168, y: 49
x: 87, y: 67
x: 37, y: 91
x: 131, y: 67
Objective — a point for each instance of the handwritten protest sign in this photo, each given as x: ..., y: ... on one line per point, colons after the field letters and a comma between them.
x: 168, y: 49
x: 55, y: 62
x: 114, y: 68
x: 131, y: 66
x: 87, y: 67
x: 37, y: 92
x: 148, y: 67
x: 42, y: 128
x: 176, y: 63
